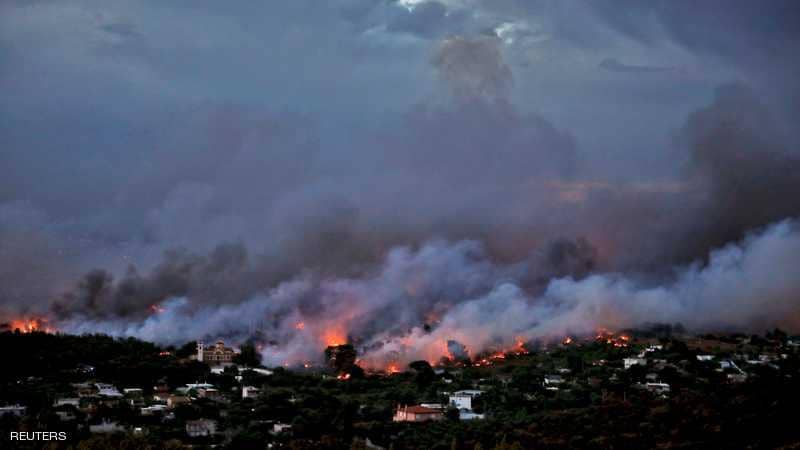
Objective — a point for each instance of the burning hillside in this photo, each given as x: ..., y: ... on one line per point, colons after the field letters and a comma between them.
x: 29, y: 325
x: 465, y: 307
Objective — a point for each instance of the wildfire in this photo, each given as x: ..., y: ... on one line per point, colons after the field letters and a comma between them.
x: 496, y: 357
x: 156, y: 308
x: 300, y: 326
x: 567, y: 341
x: 343, y: 376
x: 31, y: 325
x: 392, y: 369
x: 333, y: 337
x: 519, y: 348
x: 607, y: 337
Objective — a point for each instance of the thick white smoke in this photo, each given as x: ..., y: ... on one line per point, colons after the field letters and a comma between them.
x: 422, y: 298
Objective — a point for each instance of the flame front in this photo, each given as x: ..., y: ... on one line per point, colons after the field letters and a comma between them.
x: 31, y: 325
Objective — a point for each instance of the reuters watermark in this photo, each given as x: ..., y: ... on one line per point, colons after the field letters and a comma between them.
x: 38, y: 436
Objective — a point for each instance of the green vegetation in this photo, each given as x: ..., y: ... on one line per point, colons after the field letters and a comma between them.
x: 598, y: 404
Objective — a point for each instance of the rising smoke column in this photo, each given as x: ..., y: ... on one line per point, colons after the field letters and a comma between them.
x: 447, y: 297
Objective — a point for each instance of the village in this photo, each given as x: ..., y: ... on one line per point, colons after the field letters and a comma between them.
x: 213, y: 395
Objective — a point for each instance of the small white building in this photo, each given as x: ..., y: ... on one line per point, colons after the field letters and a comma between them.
x: 463, y: 399
x: 553, y: 380
x: 154, y: 409
x: 278, y: 428
x: 17, y: 410
x: 630, y: 362
x: 107, y: 390
x: 72, y: 401
x: 194, y: 386
x: 250, y: 392
x: 705, y: 357
x: 106, y: 427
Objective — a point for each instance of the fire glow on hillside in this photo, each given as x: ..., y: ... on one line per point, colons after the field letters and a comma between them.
x: 31, y: 325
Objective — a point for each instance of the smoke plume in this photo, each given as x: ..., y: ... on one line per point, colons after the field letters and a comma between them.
x: 422, y: 197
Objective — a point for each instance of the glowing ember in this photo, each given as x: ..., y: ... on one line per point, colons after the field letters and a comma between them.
x: 567, y: 341
x: 343, y: 376
x: 392, y: 369
x: 300, y: 326
x: 156, y: 309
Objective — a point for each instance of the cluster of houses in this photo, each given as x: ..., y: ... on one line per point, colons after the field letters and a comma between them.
x: 646, y: 366
x: 461, y: 401
x: 86, y: 398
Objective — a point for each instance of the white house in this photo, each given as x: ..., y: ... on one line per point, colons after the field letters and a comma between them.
x: 16, y: 410
x: 463, y: 399
x: 107, y: 390
x: 76, y: 402
x: 154, y: 409
x: 106, y: 427
x: 278, y: 428
x: 250, y: 392
x: 630, y: 362
x: 553, y: 380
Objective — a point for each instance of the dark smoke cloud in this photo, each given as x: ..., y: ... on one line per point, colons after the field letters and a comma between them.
x: 416, y: 182
x: 448, y: 298
x: 474, y: 67
x: 741, y: 164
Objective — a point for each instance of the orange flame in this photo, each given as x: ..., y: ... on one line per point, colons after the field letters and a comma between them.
x: 608, y: 337
x: 31, y: 325
x: 333, y: 337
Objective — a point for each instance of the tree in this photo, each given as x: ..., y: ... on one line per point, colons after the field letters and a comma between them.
x: 248, y: 356
x: 341, y: 358
x: 452, y: 414
x: 188, y: 349
x: 424, y: 374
